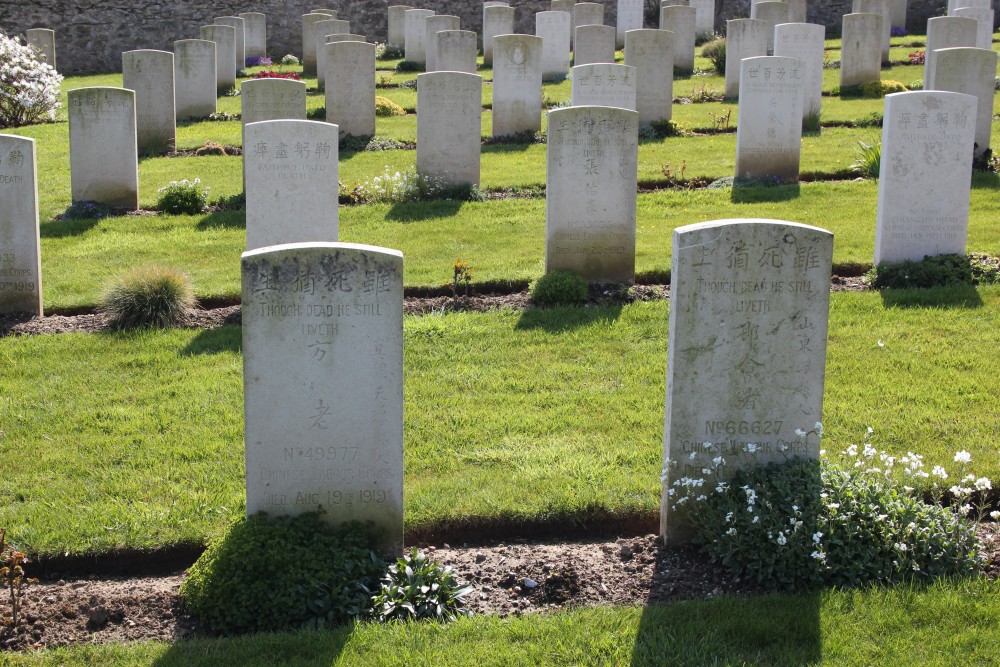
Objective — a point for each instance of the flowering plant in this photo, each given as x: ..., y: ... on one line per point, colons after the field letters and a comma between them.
x: 29, y: 88
x: 258, y: 61
x: 271, y: 74
x: 917, y: 57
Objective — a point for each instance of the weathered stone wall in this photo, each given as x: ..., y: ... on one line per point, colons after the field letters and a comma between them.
x: 91, y: 35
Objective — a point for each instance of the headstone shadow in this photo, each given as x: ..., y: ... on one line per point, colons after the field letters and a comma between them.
x: 59, y: 229
x: 314, y: 647
x: 758, y: 190
x: 559, y: 320
x: 954, y: 296
x: 222, y: 220
x: 427, y: 210
x: 214, y: 341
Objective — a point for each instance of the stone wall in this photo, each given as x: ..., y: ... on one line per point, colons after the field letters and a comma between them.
x: 91, y: 36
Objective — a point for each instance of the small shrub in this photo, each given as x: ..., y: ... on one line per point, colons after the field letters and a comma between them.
x: 559, y: 288
x: 409, y: 85
x: 87, y: 210
x: 394, y: 188
x: 385, y: 79
x: 871, y: 119
x: 416, y: 587
x: 289, y: 60
x: 878, y: 89
x: 14, y: 581
x: 706, y: 94
x: 271, y: 74
x: 409, y: 66
x: 461, y: 274
x: 715, y: 51
x: 868, y: 159
x: 29, y: 87
x: 811, y: 122
x: 706, y: 37
x: 258, y: 61
x: 214, y: 148
x: 917, y: 57
x: 378, y: 143
x: 148, y: 296
x: 898, y: 31
x: 269, y: 574
x: 936, y: 271
x: 317, y: 113
x: 385, y: 107
x: 388, y: 52
x: 182, y: 197
x: 917, y: 84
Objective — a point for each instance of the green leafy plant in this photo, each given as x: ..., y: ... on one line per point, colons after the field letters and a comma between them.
x: 12, y: 577
x: 706, y: 94
x: 868, y: 158
x: 282, y: 573
x: 559, y: 288
x: 416, y: 587
x: 388, y: 52
x: 385, y: 107
x: 715, y: 51
x: 871, y: 119
x: 811, y: 122
x: 409, y: 66
x: 289, y: 60
x: 878, y: 89
x: 462, y: 274
x: 148, y: 296
x: 182, y: 197
x: 936, y: 271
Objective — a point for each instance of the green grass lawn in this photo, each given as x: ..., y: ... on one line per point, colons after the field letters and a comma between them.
x: 511, y: 417
x: 938, y: 626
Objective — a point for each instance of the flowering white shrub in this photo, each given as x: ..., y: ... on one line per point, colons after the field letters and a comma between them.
x: 402, y: 187
x: 29, y: 88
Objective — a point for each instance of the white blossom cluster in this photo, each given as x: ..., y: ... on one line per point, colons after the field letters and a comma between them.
x: 401, y: 187
x: 29, y: 88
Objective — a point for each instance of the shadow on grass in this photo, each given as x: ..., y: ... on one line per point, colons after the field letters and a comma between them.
x: 985, y: 180
x: 754, y: 192
x: 955, y: 296
x: 516, y: 145
x: 58, y: 229
x: 304, y: 647
x: 215, y: 341
x: 559, y: 320
x: 424, y: 210
x: 223, y: 220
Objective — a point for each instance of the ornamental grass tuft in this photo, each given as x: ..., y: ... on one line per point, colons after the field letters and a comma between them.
x: 148, y: 296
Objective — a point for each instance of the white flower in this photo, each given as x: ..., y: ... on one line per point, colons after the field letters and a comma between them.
x: 817, y: 537
x: 721, y: 487
x: 795, y: 508
x: 819, y: 555
x: 755, y: 519
x: 964, y: 510
x: 799, y: 432
x: 819, y: 428
x: 701, y: 497
x: 692, y: 456
x: 869, y: 451
x: 900, y: 547
x: 983, y: 484
x: 718, y: 461
x: 938, y: 471
x: 852, y: 450
x: 963, y: 457
x: 834, y: 506
x: 729, y: 517
x: 707, y: 445
x: 782, y: 540
x: 751, y: 448
x: 870, y: 430
x: 995, y: 515
x: 880, y: 343
x: 731, y: 531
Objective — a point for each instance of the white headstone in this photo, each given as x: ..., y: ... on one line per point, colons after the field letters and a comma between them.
x: 20, y: 254
x: 924, y: 184
x: 883, y: 9
x: 604, y: 85
x: 151, y: 75
x: 309, y: 22
x: 224, y: 37
x: 329, y: 13
x: 680, y: 21
x: 745, y: 38
x: 44, y: 41
x: 749, y: 306
x: 805, y: 41
x: 415, y: 31
x: 239, y: 25
x: 449, y: 126
x: 954, y: 5
x: 436, y: 24
x: 103, y: 157
x: 194, y: 78
x: 291, y: 182
x: 562, y: 6
x: 322, y: 30
x: 255, y: 40
x: 984, y: 21
x: 350, y: 87
x: 272, y: 99
x: 973, y: 72
x: 586, y: 13
x: 397, y: 29
x: 594, y: 44
x: 517, y: 84
x: 769, y: 131
x: 554, y: 28
x: 590, y: 185
x: 860, y: 51
x: 492, y: 3
x: 456, y: 51
x: 323, y: 330
x: 629, y: 17
x: 946, y: 32
x: 650, y: 53
x: 798, y: 11
x: 497, y: 20
x: 899, y: 13
x: 773, y: 13
x: 704, y: 16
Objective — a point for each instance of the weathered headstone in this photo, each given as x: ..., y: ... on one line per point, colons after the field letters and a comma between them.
x: 20, y: 254
x: 239, y: 25
x: 255, y: 39
x: 805, y: 41
x: 224, y: 37
x: 350, y: 87
x: 554, y: 28
x: 704, y: 17
x: 604, y: 85
x: 329, y: 13
x: 323, y: 328
x: 309, y: 22
x: 769, y: 131
x: 629, y: 17
x: 772, y: 13
x: 860, y: 51
x: 984, y: 21
x: 954, y: 5
x: 594, y: 44
x: 272, y: 99
x: 44, y: 41
x: 449, y: 126
x: 650, y: 53
x: 946, y: 32
x: 517, y: 84
x: 899, y: 13
x: 434, y: 25
x: 679, y: 20
x: 745, y: 38
x: 415, y: 31
x: 291, y: 182
x: 194, y: 78
x: 798, y: 11
x: 562, y: 6
x: 591, y: 165
x: 586, y: 13
x: 103, y: 157
x: 883, y: 9
x: 923, y: 186
x: 491, y: 3
x: 497, y: 20
x: 973, y: 72
x: 151, y: 75
x: 749, y: 306
x: 397, y: 30
x: 456, y: 51
x: 322, y: 30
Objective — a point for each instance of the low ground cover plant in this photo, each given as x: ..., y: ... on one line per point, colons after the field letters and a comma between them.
x: 148, y: 296
x: 29, y: 87
x: 416, y: 587
x: 559, y: 288
x: 182, y: 197
x: 936, y: 271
